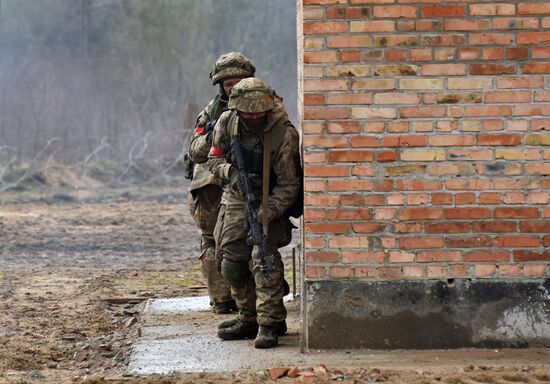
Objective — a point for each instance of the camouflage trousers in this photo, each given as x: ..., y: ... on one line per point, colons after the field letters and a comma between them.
x: 204, y: 205
x: 261, y: 298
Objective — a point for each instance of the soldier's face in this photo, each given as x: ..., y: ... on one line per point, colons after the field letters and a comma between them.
x: 229, y: 84
x: 252, y: 115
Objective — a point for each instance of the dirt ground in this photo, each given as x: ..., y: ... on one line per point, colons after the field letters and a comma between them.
x: 74, y: 273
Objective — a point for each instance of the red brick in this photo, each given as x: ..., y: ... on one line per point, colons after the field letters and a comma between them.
x: 447, y: 227
x: 367, y: 227
x: 443, y: 40
x: 468, y: 54
x: 421, y: 242
x: 390, y: 272
x: 505, y: 139
x: 326, y: 113
x: 386, y: 156
x: 516, y: 213
x: 362, y: 170
x: 350, y: 214
x: 428, y: 25
x: 520, y: 82
x: 540, y: 8
x: 441, y: 255
x: 467, y: 184
x: 364, y: 141
x: 490, y: 38
x: 540, y: 52
x: 469, y: 242
x: 485, y: 270
x: 321, y: 199
x: 326, y: 170
x: 340, y: 272
x: 487, y: 255
x: 459, y: 270
x: 350, y: 56
x: 404, y: 141
x: 465, y: 198
x: 467, y: 213
x: 517, y: 53
x: 325, y: 85
x: 320, y: 57
x: 536, y: 68
x: 443, y: 11
x: 487, y: 110
x: 533, y: 38
x: 396, y: 55
x: 467, y: 25
x: 421, y: 54
x: 349, y: 98
x: 315, y: 242
x: 421, y: 213
x: 492, y: 9
x: 508, y: 97
x: 405, y: 227
x: 492, y: 69
x: 317, y: 27
x: 410, y: 271
x: 371, y: 26
x: 436, y: 271
x: 424, y: 185
x: 442, y: 198
x: 347, y: 41
x: 517, y: 241
x: 324, y: 2
x: 343, y: 127
x: 314, y: 214
x: 533, y: 270
x: 535, y: 226
x: 509, y: 270
x: 516, y: 23
x: 314, y: 272
x: 314, y: 99
x: 489, y: 198
x: 443, y: 69
x: 322, y: 257
x: 351, y: 200
x: 362, y: 272
x: 363, y: 257
x: 426, y: 112
x: 350, y: 156
x: 315, y: 186
x: 326, y: 228
x: 348, y: 242
x: 531, y: 255
x: 349, y: 185
x: 392, y: 11
x: 311, y: 142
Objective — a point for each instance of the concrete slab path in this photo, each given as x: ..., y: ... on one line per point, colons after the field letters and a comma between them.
x: 179, y: 336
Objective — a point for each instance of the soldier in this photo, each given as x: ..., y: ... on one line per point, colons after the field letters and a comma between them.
x: 259, y: 121
x: 205, y: 190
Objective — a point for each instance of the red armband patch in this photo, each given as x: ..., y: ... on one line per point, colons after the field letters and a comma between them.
x: 199, y: 130
x: 216, y: 152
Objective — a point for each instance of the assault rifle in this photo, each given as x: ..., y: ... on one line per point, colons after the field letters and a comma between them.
x: 245, y: 187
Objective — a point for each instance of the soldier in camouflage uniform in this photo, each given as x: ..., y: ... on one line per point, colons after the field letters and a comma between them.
x: 256, y: 116
x: 205, y: 190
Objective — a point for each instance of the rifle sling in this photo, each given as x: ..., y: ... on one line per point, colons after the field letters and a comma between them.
x: 265, y: 181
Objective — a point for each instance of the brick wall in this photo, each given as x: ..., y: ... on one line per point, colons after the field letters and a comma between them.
x: 426, y: 139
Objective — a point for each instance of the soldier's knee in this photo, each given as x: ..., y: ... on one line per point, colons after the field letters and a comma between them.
x: 235, y: 274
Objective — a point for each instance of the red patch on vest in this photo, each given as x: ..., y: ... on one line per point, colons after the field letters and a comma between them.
x: 216, y: 152
x: 199, y: 130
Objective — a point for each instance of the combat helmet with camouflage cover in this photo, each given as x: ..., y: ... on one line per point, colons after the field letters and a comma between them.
x: 231, y: 65
x: 252, y: 95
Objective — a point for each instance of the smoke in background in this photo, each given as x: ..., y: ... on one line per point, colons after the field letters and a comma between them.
x: 117, y: 81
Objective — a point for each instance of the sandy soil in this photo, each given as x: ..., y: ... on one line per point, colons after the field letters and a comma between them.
x: 73, y: 277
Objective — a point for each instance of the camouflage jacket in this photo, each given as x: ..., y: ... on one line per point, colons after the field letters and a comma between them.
x: 200, y: 144
x: 285, y: 158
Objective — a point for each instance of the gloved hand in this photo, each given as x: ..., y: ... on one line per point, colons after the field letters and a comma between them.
x: 271, y: 214
x: 234, y: 178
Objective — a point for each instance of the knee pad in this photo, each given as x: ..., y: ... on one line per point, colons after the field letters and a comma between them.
x: 235, y: 274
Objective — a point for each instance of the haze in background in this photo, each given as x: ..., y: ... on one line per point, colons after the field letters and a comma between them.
x: 115, y: 81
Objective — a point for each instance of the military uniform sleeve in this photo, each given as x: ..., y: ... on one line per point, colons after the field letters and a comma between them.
x: 287, y: 169
x: 200, y: 141
x: 221, y: 145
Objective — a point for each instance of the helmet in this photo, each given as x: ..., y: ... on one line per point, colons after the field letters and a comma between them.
x: 252, y: 95
x: 231, y: 65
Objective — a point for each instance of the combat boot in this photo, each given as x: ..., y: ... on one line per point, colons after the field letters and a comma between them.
x: 240, y: 330
x: 267, y: 337
x: 224, y: 307
x: 280, y: 327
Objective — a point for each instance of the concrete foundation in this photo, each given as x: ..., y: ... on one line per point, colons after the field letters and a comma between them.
x: 427, y: 314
